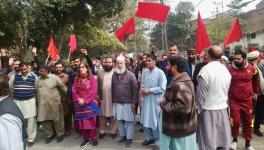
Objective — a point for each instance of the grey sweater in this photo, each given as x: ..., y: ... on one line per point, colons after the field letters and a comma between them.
x: 124, y: 88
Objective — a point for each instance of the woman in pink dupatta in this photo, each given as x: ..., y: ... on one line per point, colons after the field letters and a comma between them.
x: 86, y: 109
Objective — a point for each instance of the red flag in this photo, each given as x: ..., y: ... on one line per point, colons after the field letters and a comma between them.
x: 202, y: 39
x: 234, y: 33
x: 73, y: 43
x: 127, y: 29
x: 153, y: 11
x: 52, y: 49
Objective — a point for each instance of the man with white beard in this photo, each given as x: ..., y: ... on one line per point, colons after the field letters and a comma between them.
x: 124, y: 96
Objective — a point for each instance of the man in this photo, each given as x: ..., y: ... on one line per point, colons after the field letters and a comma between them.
x: 104, y: 79
x: 16, y: 68
x: 191, y: 58
x: 13, y: 133
x: 65, y: 100
x: 258, y: 62
x: 243, y: 89
x: 23, y: 87
x: 124, y: 90
x: 129, y: 66
x: 213, y: 131
x: 199, y: 66
x: 153, y: 86
x: 50, y: 112
x: 179, y: 120
x: 4, y: 61
x: 173, y: 51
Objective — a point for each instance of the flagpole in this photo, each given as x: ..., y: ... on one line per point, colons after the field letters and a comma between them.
x: 69, y: 55
x: 243, y: 43
x: 47, y: 59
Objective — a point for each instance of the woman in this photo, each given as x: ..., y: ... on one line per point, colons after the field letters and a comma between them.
x: 179, y: 120
x: 86, y: 108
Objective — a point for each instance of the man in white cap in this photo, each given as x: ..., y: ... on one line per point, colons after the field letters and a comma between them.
x: 255, y: 60
x: 124, y: 97
x: 224, y: 60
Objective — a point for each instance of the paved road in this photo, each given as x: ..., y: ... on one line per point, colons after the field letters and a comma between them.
x: 71, y: 143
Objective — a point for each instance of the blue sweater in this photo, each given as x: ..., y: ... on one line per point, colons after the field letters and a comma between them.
x: 24, y: 89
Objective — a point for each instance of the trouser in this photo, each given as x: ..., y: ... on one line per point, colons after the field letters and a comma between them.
x: 89, y: 134
x: 31, y: 128
x: 150, y: 134
x: 181, y: 143
x: 112, y: 127
x: 50, y: 125
x: 68, y: 122
x: 259, y: 111
x: 126, y: 129
x: 241, y: 110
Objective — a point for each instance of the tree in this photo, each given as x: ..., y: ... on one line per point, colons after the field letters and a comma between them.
x: 135, y: 42
x: 179, y: 27
x: 31, y: 22
x: 218, y: 27
x: 236, y: 6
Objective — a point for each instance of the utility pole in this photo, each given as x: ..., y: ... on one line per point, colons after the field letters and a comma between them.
x: 164, y: 41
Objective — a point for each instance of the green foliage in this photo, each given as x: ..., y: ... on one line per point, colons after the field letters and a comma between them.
x: 218, y: 28
x: 179, y: 27
x: 31, y: 22
x: 135, y: 42
x: 99, y: 42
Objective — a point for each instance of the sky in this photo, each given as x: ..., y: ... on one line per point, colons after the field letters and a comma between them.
x: 207, y: 8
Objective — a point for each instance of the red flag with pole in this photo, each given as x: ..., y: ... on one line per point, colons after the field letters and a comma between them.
x: 73, y: 43
x: 153, y: 11
x: 52, y: 49
x: 202, y: 39
x: 126, y: 29
x: 234, y: 33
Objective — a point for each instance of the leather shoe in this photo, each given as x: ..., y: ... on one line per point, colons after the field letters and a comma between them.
x: 29, y: 144
x: 148, y: 142
x: 59, y: 139
x: 101, y: 136
x: 257, y: 132
x: 48, y: 140
x: 113, y: 136
x: 123, y: 139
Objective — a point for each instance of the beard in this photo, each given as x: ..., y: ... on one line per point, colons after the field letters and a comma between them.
x: 108, y: 68
x: 120, y: 71
x: 144, y: 64
x: 239, y: 65
x: 59, y: 72
x: 190, y: 59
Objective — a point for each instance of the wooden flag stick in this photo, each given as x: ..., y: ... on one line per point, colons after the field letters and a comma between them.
x: 47, y: 59
x: 69, y: 55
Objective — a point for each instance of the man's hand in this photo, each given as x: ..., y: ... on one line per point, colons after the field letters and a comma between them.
x: 132, y: 106
x: 3, y: 52
x: 145, y: 90
x: 255, y: 96
x: 162, y: 102
x: 84, y: 52
x: 34, y: 50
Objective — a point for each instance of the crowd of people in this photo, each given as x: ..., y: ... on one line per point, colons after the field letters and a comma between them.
x: 183, y: 102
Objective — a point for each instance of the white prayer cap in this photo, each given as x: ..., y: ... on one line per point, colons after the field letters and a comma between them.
x: 120, y: 58
x: 253, y: 55
x: 224, y: 58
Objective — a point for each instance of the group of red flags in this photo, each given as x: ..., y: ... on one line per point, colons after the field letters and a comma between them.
x: 159, y: 12
x: 202, y: 39
x: 53, y: 51
x: 154, y: 11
